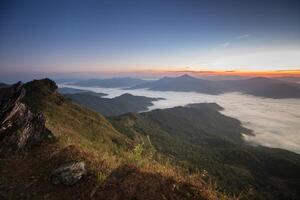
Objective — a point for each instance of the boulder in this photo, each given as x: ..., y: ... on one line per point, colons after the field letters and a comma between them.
x: 19, y: 127
x: 69, y: 174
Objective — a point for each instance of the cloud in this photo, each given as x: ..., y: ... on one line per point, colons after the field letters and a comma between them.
x: 243, y: 36
x: 225, y: 44
x: 229, y: 42
x: 275, y: 122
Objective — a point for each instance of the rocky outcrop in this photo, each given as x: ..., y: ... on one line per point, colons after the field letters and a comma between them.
x: 69, y: 174
x: 19, y: 127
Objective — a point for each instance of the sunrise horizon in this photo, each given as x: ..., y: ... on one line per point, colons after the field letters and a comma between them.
x: 224, y: 38
x: 147, y: 73
x: 150, y: 99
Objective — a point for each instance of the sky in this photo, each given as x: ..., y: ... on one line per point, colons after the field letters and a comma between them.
x: 72, y: 36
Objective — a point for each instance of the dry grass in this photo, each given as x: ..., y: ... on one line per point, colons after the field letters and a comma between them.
x: 105, y: 149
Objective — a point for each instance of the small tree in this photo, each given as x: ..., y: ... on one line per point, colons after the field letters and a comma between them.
x: 138, y: 152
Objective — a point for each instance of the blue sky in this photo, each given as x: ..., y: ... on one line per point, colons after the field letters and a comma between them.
x: 93, y: 35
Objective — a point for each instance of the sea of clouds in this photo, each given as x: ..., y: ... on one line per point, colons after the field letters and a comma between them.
x: 275, y: 122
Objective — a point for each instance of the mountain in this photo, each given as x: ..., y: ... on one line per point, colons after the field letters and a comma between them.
x: 67, y: 80
x: 115, y: 106
x: 66, y: 90
x: 184, y: 83
x: 16, y: 116
x: 265, y: 87
x: 200, y: 137
x: 262, y: 87
x: 290, y: 79
x: 2, y: 85
x: 110, y: 83
x: 70, y: 152
x: 65, y: 151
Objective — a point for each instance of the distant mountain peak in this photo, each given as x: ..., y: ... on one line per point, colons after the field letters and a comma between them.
x: 126, y: 95
x: 186, y: 76
x: 259, y: 78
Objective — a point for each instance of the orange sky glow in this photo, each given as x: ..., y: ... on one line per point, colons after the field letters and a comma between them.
x: 167, y: 72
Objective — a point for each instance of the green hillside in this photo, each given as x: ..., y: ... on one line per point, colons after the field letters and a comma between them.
x: 203, y: 139
x: 191, y: 152
x: 117, y: 166
x: 112, y: 106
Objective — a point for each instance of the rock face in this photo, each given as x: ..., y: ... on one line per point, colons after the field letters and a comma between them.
x: 19, y: 127
x: 69, y: 174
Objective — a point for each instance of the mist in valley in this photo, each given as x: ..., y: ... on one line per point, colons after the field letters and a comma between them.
x: 275, y: 122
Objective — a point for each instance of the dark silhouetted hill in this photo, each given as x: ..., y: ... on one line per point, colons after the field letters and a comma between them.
x: 115, y: 106
x: 110, y: 83
x: 262, y: 87
x: 184, y: 83
x: 66, y: 90
x: 2, y: 85
x: 265, y: 87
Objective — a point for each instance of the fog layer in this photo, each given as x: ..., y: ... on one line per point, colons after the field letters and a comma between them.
x: 275, y: 122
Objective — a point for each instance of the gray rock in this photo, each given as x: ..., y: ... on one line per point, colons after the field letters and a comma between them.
x: 69, y: 174
x: 19, y: 127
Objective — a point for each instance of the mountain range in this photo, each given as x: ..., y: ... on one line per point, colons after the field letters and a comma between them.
x: 262, y: 87
x: 259, y: 86
x: 67, y: 90
x: 2, y: 85
x: 110, y: 83
x: 184, y: 83
x: 194, y: 152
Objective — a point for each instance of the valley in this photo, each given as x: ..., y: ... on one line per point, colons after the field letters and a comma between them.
x: 187, y: 146
x: 275, y: 122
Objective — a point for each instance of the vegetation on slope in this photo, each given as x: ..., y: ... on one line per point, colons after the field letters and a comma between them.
x: 115, y: 106
x: 67, y: 90
x: 163, y: 154
x: 119, y: 167
x: 201, y: 138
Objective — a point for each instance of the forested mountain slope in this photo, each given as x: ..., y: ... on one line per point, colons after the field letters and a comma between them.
x: 70, y: 152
